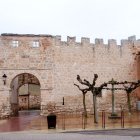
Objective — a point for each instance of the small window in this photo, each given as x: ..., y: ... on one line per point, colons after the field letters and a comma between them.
x: 35, y: 44
x: 15, y: 43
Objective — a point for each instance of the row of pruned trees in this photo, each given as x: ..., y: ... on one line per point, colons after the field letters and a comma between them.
x: 127, y: 86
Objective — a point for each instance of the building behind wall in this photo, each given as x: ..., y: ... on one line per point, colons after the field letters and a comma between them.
x: 56, y: 63
x: 29, y: 97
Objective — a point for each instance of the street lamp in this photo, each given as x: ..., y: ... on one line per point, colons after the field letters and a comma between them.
x: 4, y: 79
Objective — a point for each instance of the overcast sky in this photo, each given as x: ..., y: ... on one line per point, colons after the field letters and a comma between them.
x: 106, y: 19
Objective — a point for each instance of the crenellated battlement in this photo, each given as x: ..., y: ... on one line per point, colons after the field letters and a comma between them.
x: 71, y: 41
x: 98, y: 41
x: 56, y: 63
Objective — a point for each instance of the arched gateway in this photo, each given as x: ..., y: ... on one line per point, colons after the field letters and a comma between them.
x: 25, y: 93
x: 24, y: 90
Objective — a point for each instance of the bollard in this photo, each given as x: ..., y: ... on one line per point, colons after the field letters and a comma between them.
x: 122, y: 119
x: 83, y: 121
x: 103, y: 119
x: 63, y: 120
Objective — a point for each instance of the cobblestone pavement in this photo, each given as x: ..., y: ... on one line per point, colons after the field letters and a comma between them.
x: 130, y: 134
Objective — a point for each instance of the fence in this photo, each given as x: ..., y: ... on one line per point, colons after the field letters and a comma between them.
x: 67, y: 121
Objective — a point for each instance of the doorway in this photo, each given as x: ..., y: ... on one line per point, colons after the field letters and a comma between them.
x: 25, y: 93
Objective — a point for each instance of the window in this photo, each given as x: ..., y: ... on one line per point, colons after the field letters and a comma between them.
x: 35, y: 44
x: 15, y: 43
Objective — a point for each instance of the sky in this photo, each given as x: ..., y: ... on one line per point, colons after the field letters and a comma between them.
x: 107, y: 19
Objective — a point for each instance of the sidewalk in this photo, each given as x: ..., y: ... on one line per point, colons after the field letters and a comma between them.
x: 30, y: 125
x: 32, y: 121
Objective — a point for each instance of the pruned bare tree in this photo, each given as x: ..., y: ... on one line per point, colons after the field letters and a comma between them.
x: 129, y: 87
x: 84, y: 91
x: 95, y: 91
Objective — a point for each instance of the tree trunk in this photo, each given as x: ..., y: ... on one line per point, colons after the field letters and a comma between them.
x: 95, y: 108
x: 128, y: 102
x: 84, y: 104
x: 113, y: 101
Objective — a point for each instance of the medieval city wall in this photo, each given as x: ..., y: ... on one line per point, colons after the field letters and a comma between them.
x: 85, y: 59
x: 56, y: 64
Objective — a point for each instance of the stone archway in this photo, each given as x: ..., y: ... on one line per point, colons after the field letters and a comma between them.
x: 25, y: 93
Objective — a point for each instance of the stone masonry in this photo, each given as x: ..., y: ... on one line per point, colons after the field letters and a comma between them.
x: 56, y: 63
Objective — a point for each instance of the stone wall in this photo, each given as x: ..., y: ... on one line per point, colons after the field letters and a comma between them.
x: 56, y: 64
x: 108, y: 61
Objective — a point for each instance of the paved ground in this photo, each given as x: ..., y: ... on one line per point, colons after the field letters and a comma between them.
x: 117, y: 132
x: 130, y: 134
x: 31, y: 126
x: 31, y: 120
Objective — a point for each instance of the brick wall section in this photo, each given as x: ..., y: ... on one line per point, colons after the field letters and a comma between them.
x: 56, y: 64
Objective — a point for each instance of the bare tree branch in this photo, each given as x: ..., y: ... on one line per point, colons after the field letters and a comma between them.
x: 132, y: 86
x: 83, y: 90
x: 79, y: 79
x: 87, y: 82
x: 99, y: 89
x: 94, y: 79
x: 83, y: 83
